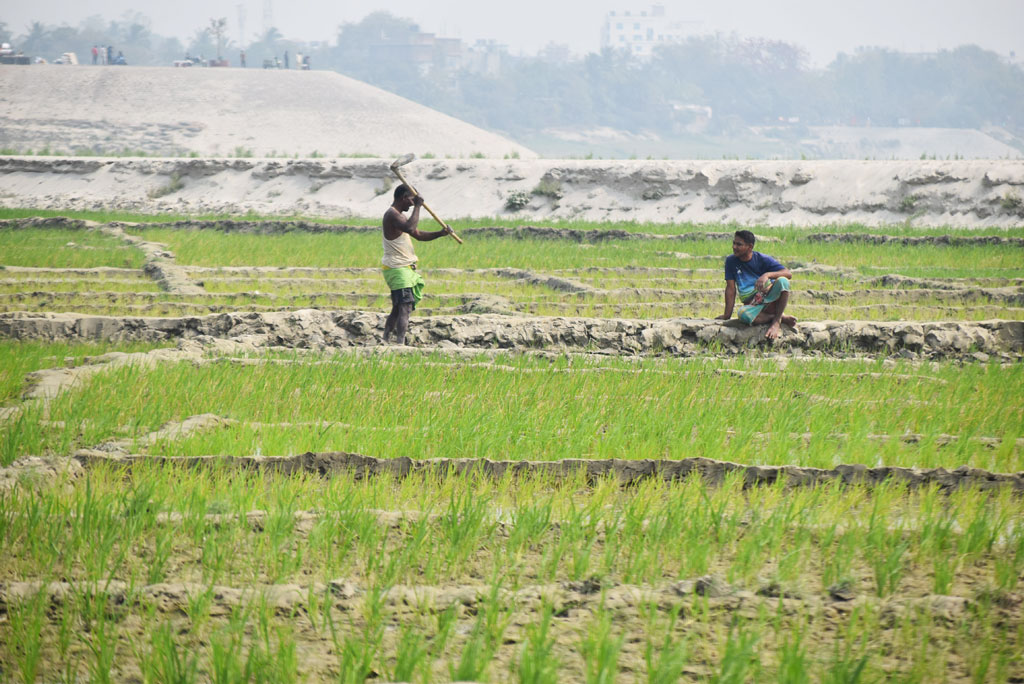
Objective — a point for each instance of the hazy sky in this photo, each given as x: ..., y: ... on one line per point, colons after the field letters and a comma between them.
x: 822, y: 27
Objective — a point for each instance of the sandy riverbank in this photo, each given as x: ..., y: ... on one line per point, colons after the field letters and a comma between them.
x: 962, y: 194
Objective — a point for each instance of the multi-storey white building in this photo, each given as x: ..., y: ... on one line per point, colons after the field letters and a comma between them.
x: 641, y: 31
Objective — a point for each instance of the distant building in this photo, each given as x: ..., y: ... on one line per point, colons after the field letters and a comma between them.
x: 485, y: 57
x: 423, y: 51
x: 556, y: 53
x: 641, y: 31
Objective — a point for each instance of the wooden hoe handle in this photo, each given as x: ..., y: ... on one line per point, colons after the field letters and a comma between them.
x: 429, y: 210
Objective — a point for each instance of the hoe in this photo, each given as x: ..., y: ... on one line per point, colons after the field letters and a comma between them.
x: 395, y: 168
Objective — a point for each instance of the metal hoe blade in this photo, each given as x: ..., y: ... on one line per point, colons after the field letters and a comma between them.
x: 403, y: 160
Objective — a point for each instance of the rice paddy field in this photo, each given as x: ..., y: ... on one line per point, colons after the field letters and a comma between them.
x: 163, y: 519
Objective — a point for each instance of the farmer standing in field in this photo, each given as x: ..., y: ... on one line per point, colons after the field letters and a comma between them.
x: 400, y: 259
x: 763, y: 285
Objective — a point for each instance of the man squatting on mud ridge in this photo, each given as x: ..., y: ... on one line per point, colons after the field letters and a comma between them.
x: 763, y: 285
x: 399, y: 262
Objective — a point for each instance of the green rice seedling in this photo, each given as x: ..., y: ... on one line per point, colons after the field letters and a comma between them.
x: 163, y: 547
x: 600, y: 649
x: 922, y: 261
x: 791, y: 563
x: 197, y: 607
x: 168, y: 661
x: 837, y: 571
x: 358, y: 650
x: 415, y: 557
x: 1010, y: 564
x: 67, y: 631
x: 663, y: 429
x: 530, y: 523
x: 793, y: 661
x: 485, y: 637
x: 316, y: 604
x: 410, y: 654
x: 938, y: 520
x: 913, y: 639
x: 281, y: 556
x: 538, y: 663
x: 445, y: 623
x: 98, y: 535
x: 997, y: 649
x: 328, y: 544
x: 665, y: 655
x: 944, y: 570
x: 749, y: 557
x: 551, y: 559
x: 272, y: 654
x: 102, y: 640
x: 21, y: 436
x: 887, y: 551
x: 226, y: 648
x: 462, y: 525
x: 845, y: 669
x: 37, y: 531
x: 371, y: 550
x: 26, y: 618
x: 65, y: 248
x: 739, y: 662
x: 982, y: 528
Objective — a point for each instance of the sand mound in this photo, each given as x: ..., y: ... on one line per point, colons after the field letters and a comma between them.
x: 163, y: 110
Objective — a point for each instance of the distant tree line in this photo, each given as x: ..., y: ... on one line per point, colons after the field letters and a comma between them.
x: 130, y: 35
x: 744, y: 81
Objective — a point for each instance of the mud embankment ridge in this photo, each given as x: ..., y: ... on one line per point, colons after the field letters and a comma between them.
x: 316, y: 329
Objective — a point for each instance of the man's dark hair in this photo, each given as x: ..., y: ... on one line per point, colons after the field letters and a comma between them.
x: 746, y: 236
x: 402, y: 190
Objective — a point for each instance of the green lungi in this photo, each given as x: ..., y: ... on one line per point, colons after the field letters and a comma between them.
x: 405, y: 277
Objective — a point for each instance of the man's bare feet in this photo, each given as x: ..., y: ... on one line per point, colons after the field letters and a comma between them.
x: 774, y: 330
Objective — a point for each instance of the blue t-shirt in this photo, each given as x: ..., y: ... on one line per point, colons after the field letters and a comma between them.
x: 746, y: 273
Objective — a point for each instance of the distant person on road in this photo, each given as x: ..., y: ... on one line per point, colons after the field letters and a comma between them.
x: 110, y: 54
x: 762, y: 284
x: 286, y: 59
x: 95, y: 55
x: 241, y: 58
x: 399, y: 262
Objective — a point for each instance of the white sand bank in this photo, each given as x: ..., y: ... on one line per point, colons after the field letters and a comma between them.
x: 963, y: 194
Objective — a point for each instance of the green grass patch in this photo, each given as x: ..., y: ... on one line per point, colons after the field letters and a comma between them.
x: 508, y: 553
x: 814, y: 413
x: 19, y: 358
x: 214, y: 248
x: 785, y: 232
x: 62, y: 248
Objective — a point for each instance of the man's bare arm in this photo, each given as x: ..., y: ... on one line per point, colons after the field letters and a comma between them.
x: 774, y: 275
x: 395, y: 222
x: 730, y: 300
